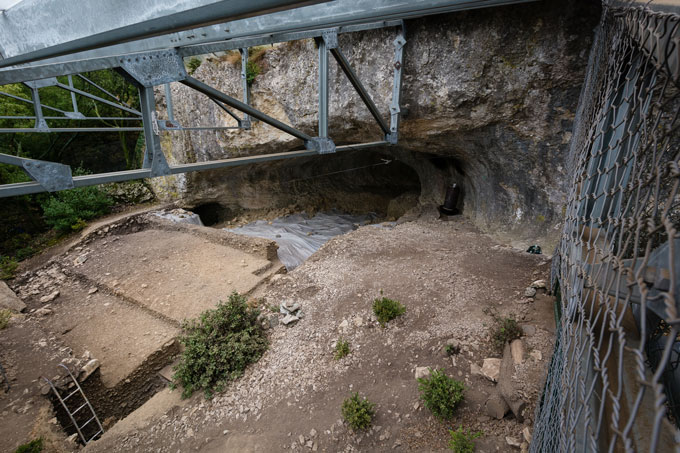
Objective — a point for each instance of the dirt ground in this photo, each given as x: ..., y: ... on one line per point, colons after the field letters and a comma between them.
x: 454, y: 282
x: 118, y: 295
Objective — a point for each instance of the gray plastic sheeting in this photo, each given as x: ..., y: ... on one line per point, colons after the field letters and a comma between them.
x: 298, y: 235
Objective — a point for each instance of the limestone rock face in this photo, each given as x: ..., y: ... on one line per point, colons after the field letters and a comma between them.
x: 488, y: 101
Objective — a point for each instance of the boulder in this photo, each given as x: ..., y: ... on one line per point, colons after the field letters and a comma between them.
x: 507, y: 387
x: 422, y: 372
x: 491, y: 369
x: 89, y: 368
x: 50, y: 297
x: 9, y: 300
x: 517, y: 351
x: 496, y: 407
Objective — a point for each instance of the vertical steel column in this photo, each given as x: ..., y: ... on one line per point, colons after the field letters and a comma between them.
x: 153, y: 155
x: 168, y: 102
x: 74, y: 101
x: 323, y: 88
x: 40, y: 123
x: 395, y: 110
x: 246, y: 89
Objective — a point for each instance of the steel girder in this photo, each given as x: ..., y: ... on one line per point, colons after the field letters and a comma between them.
x: 157, y: 60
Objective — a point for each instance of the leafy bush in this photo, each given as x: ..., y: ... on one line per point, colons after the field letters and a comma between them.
x: 341, y: 349
x: 68, y: 210
x: 506, y: 331
x: 387, y: 309
x: 441, y: 394
x: 357, y: 412
x: 5, y: 316
x: 8, y: 267
x: 34, y: 446
x: 463, y: 441
x: 219, y: 346
x: 192, y: 65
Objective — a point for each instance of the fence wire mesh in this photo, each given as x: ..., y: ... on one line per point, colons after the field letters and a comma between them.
x: 614, y: 380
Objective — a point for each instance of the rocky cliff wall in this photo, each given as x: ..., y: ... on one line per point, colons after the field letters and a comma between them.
x: 489, y: 98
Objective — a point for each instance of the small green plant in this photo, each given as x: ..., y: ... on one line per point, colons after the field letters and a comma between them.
x: 357, y: 412
x: 387, y: 309
x: 451, y: 350
x: 219, y: 346
x: 507, y: 330
x: 341, y: 349
x: 5, y: 316
x: 252, y: 71
x: 441, y: 394
x: 8, y: 267
x: 192, y: 65
x: 463, y: 441
x: 68, y: 210
x: 34, y: 446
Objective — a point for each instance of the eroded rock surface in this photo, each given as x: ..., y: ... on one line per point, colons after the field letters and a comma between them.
x: 488, y: 100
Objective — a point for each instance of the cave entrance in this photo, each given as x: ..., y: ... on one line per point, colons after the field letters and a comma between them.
x: 302, y: 203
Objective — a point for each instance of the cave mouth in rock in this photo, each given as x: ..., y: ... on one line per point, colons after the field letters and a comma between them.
x: 303, y: 203
x: 352, y: 182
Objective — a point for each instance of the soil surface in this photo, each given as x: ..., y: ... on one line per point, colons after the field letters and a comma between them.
x: 455, y: 283
x: 118, y: 294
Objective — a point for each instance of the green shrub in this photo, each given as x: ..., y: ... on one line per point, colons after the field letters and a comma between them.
x: 34, y: 446
x: 5, y: 316
x: 8, y: 267
x: 252, y: 71
x: 357, y: 412
x: 441, y: 394
x: 68, y: 210
x: 387, y: 309
x: 463, y: 441
x: 507, y: 330
x: 341, y: 349
x: 219, y: 346
x: 192, y: 65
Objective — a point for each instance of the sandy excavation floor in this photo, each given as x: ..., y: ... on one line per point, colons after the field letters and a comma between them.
x: 453, y: 281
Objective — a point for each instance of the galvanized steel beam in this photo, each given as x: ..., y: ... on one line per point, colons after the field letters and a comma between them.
x: 176, y: 20
x: 337, y: 13
x: 238, y: 105
x: 25, y: 188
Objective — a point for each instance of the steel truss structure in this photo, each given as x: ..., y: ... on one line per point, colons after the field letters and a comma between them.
x: 151, y: 52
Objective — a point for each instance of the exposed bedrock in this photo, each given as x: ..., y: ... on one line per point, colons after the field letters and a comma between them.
x: 488, y: 99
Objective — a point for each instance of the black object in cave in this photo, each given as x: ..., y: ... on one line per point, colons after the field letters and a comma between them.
x: 451, y: 200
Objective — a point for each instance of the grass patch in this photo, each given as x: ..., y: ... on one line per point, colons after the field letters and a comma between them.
x: 34, y: 446
x: 387, y: 309
x: 341, y: 349
x: 507, y: 330
x: 5, y: 316
x: 192, y: 65
x: 463, y: 441
x: 358, y: 412
x: 219, y: 346
x: 441, y: 394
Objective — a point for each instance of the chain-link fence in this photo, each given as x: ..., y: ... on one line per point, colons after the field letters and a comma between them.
x: 614, y: 380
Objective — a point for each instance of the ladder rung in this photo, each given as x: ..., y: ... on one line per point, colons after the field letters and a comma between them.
x: 75, y: 411
x: 71, y: 394
x: 95, y: 435
x: 86, y: 423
